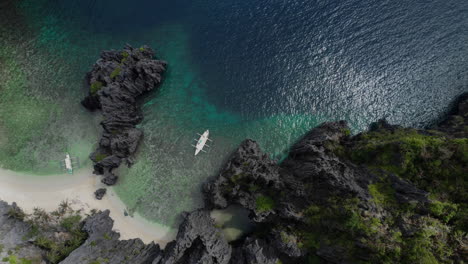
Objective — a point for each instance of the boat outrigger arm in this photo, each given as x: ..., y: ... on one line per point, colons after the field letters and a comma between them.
x: 201, y: 142
x: 68, y: 163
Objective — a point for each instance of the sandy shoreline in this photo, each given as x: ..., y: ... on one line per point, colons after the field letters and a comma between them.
x: 46, y: 192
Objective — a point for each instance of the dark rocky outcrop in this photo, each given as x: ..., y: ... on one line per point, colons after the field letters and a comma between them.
x: 116, y: 81
x: 99, y: 193
x: 198, y: 241
x: 254, y: 251
x: 13, y: 231
x: 310, y: 161
x: 103, y: 245
x: 339, y: 198
x: 456, y: 124
x: 247, y: 169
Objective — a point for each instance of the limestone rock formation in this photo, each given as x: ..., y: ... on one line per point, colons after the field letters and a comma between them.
x: 247, y: 170
x: 339, y: 198
x: 103, y: 245
x: 13, y: 236
x: 456, y: 124
x: 198, y: 241
x: 99, y: 193
x: 254, y: 251
x: 116, y: 81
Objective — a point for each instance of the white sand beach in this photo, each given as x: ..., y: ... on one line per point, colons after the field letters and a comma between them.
x: 30, y: 191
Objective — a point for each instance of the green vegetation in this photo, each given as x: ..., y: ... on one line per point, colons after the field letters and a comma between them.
x: 71, y: 223
x: 264, y: 203
x: 57, y: 251
x: 443, y: 210
x: 100, y: 156
x: 16, y: 213
x: 382, y: 229
x: 34, y: 231
x: 340, y: 223
x: 347, y: 132
x: 106, y: 236
x: 323, y: 223
x: 432, y: 161
x: 115, y: 72
x: 237, y: 177
x: 422, y: 247
x: 95, y: 87
x: 382, y: 194
x: 125, y: 57
x: 12, y: 259
x: 44, y: 226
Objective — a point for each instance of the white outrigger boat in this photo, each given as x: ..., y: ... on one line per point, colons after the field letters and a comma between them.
x: 201, y: 142
x: 68, y: 163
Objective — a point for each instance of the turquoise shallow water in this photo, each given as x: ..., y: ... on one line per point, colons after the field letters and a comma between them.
x: 269, y: 71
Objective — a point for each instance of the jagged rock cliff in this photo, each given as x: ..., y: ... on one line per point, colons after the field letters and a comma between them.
x: 388, y: 195
x: 116, y: 81
x: 198, y: 241
x: 103, y: 245
x: 14, y: 242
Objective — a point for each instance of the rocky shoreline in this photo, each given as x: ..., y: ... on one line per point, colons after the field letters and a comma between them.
x: 116, y: 81
x: 387, y: 195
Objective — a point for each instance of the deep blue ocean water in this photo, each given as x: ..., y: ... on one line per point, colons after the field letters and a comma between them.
x: 268, y: 70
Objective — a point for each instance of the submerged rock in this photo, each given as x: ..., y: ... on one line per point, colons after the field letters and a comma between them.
x: 116, y: 81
